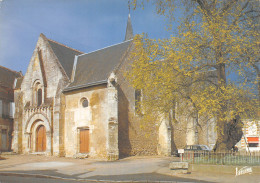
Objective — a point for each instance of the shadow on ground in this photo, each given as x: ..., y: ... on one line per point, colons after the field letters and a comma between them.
x: 145, y: 177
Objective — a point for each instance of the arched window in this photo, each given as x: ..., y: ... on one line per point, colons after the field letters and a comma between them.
x: 37, y: 93
x: 84, y: 102
x: 138, y: 100
x: 39, y: 97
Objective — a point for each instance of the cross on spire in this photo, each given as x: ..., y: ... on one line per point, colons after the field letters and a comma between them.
x: 129, y: 6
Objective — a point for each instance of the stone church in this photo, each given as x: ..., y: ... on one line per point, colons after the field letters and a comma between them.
x: 70, y: 103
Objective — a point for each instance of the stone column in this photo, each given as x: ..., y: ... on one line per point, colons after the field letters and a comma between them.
x: 0, y: 138
x: 16, y: 147
x: 56, y: 131
x: 48, y: 143
x: 112, y: 144
x: 27, y: 148
x: 164, y: 144
x: 192, y: 132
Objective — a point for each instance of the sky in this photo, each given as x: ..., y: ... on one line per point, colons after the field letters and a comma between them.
x: 85, y: 25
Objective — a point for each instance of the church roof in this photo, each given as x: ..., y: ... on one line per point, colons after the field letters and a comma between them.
x: 65, y: 55
x: 95, y: 67
x: 7, y: 78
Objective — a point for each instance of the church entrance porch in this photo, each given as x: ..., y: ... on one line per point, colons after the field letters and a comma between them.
x: 38, y: 136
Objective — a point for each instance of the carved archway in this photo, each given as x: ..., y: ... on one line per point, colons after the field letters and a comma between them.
x: 37, y: 117
x: 36, y: 122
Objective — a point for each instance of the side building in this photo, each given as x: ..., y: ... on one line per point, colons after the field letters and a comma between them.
x: 8, y: 79
x: 251, y: 135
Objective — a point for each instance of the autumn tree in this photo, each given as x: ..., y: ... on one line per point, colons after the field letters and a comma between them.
x: 215, y: 39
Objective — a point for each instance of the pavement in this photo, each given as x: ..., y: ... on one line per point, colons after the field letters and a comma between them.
x: 131, y: 169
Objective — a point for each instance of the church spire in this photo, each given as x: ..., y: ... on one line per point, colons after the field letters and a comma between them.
x: 129, y: 29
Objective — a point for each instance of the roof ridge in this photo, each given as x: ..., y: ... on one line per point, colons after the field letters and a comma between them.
x: 105, y: 47
x: 64, y: 45
x: 10, y: 70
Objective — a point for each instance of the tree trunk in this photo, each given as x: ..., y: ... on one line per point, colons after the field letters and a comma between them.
x: 257, y: 78
x: 229, y: 134
x: 221, y: 143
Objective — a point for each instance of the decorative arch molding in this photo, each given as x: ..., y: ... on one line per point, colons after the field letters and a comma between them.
x: 37, y: 117
x: 35, y: 82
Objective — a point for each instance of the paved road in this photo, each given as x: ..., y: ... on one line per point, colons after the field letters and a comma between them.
x: 152, y: 169
x: 41, y: 168
x: 17, y: 179
x: 122, y: 178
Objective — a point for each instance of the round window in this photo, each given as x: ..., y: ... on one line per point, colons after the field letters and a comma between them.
x: 85, y: 103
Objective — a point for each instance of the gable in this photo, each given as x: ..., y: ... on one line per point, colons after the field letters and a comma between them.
x: 38, y: 68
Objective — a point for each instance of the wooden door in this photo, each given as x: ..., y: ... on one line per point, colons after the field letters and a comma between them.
x: 40, y: 139
x: 4, y: 140
x: 84, y: 141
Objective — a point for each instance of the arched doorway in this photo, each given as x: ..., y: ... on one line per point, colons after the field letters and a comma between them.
x: 40, y: 139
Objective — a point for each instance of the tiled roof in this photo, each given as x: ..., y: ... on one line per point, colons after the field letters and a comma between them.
x: 65, y: 55
x: 7, y: 78
x: 95, y: 67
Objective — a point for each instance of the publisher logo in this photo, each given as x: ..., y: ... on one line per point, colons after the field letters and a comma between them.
x: 243, y: 170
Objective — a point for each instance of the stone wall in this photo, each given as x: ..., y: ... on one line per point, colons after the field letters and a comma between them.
x: 133, y: 139
x: 188, y: 130
x: 179, y: 125
x: 18, y: 122
x: 207, y: 132
x: 163, y: 136
x: 6, y: 128
x: 94, y: 117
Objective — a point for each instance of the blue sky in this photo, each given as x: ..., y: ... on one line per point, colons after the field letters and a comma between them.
x: 86, y: 25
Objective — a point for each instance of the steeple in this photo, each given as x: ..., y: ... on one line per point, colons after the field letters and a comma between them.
x: 129, y: 29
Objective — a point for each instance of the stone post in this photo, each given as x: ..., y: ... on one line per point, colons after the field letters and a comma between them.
x: 112, y: 144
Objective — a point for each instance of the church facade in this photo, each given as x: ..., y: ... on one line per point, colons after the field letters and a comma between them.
x: 72, y: 103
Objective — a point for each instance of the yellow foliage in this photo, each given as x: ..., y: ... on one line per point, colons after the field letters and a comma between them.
x: 191, y: 67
